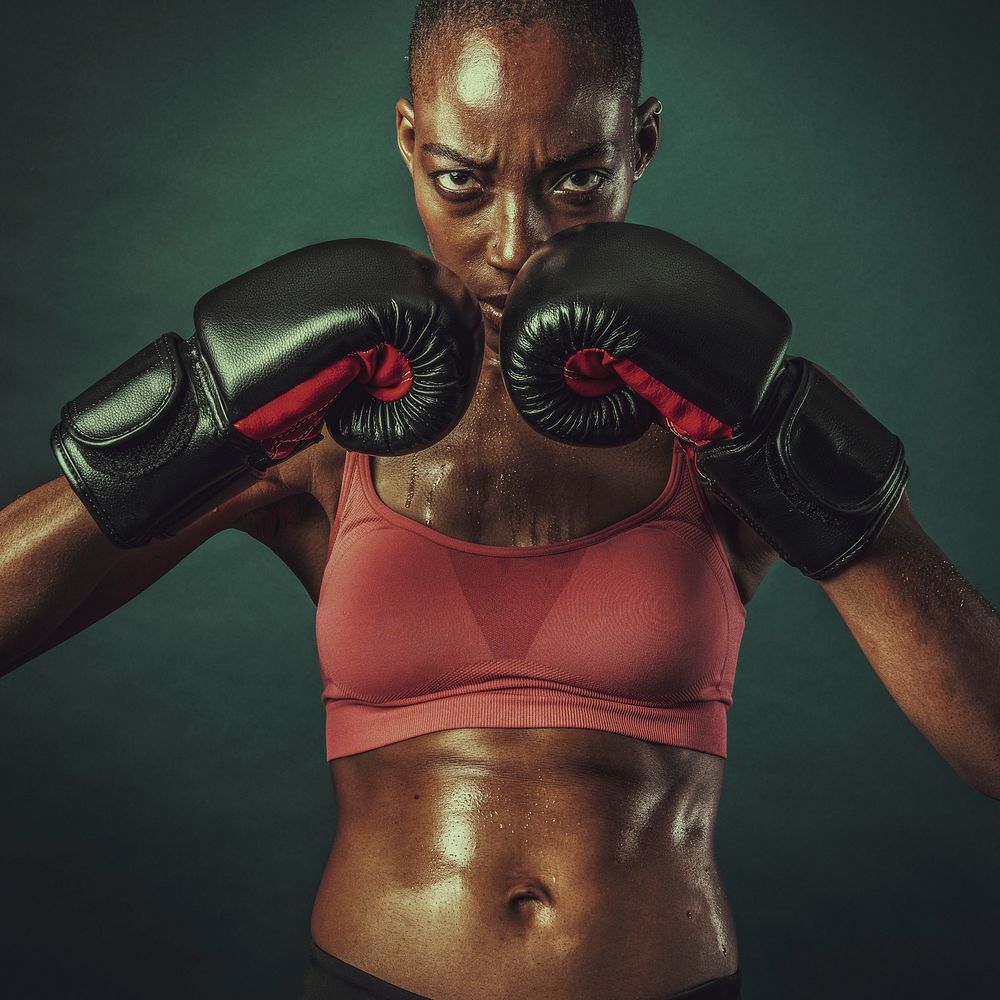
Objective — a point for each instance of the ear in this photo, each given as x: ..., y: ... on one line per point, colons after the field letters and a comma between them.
x: 647, y: 134
x: 405, y: 132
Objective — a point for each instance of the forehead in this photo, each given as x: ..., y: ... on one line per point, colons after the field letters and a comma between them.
x: 528, y: 85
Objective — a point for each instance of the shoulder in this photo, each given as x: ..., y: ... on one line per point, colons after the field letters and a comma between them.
x: 294, y: 495
x: 295, y: 509
x: 750, y: 557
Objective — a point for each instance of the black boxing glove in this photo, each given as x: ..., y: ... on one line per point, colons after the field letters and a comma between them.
x: 377, y: 341
x: 609, y: 326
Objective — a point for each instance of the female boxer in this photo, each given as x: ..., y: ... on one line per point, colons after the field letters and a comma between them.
x: 528, y: 646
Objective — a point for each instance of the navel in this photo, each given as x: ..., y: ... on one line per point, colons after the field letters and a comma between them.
x: 530, y: 901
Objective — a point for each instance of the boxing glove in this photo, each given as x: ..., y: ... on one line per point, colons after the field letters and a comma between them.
x: 376, y: 341
x: 609, y: 326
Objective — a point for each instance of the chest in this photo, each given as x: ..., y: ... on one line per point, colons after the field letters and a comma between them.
x: 494, y: 481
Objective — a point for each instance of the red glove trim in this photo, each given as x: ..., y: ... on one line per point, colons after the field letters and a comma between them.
x: 280, y: 425
x: 594, y: 372
x: 386, y: 372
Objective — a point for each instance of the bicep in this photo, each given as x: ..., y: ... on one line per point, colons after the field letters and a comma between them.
x: 297, y: 530
x: 289, y: 510
x: 296, y: 526
x: 132, y: 571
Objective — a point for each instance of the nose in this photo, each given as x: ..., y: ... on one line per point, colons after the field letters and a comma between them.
x: 517, y: 230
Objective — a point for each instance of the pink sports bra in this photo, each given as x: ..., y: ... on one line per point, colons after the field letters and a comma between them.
x: 632, y: 629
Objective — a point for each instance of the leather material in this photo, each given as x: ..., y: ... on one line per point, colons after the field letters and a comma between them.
x: 655, y: 328
x: 376, y: 340
x: 144, y: 464
x: 628, y: 289
x: 133, y: 397
x: 815, y: 474
x: 333, y: 299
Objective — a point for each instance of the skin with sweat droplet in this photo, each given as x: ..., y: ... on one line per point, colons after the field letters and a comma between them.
x: 564, y: 862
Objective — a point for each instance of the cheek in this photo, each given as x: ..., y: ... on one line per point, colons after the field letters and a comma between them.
x: 617, y: 202
x: 454, y: 240
x: 426, y: 208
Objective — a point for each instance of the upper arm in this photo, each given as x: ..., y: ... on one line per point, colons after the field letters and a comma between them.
x: 129, y: 572
x: 134, y: 570
x: 296, y: 525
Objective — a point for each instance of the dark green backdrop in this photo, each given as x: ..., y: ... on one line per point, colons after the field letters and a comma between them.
x: 164, y: 802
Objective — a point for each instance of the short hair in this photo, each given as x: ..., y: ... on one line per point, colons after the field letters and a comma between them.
x: 605, y: 30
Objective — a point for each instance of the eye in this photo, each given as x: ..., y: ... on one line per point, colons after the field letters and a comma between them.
x: 456, y: 182
x: 581, y: 182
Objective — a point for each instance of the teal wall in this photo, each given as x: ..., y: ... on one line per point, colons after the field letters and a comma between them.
x: 164, y: 803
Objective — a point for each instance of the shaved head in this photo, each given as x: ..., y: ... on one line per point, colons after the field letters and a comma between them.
x: 604, y: 34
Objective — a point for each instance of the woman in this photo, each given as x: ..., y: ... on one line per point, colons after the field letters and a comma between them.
x: 499, y: 861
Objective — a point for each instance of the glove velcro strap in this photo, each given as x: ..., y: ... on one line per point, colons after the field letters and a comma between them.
x: 129, y: 400
x: 144, y: 447
x: 137, y: 417
x: 817, y: 476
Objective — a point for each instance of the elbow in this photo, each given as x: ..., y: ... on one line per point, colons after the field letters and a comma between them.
x: 12, y: 657
x: 988, y: 779
x: 7, y: 664
x: 990, y: 789
x: 7, y: 660
x: 972, y: 750
x: 984, y: 779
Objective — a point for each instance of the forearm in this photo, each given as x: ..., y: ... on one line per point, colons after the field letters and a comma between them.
x: 52, y: 556
x: 933, y: 640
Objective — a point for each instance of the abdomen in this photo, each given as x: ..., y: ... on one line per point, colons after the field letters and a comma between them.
x: 512, y: 862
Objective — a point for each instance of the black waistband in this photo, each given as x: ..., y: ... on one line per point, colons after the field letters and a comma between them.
x: 330, y: 978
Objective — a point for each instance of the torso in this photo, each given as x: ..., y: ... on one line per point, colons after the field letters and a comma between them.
x: 551, y: 862
x: 542, y: 862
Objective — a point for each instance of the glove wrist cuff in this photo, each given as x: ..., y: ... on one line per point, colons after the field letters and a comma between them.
x: 815, y: 474
x: 147, y: 449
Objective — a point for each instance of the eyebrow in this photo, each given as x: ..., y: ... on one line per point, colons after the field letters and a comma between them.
x: 602, y: 148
